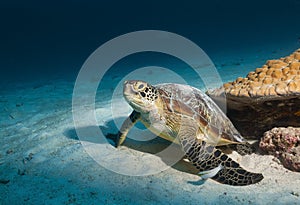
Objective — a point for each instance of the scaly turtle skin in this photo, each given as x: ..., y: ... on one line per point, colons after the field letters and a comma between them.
x: 184, y: 115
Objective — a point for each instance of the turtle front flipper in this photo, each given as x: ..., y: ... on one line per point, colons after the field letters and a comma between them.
x: 130, y: 121
x: 219, y: 166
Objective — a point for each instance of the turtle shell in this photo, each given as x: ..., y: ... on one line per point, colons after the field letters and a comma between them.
x: 187, y: 101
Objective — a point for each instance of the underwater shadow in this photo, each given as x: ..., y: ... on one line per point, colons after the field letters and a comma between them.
x: 152, y: 146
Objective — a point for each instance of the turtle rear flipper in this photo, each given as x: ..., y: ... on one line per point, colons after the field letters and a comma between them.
x: 243, y: 148
x: 237, y: 176
x: 207, y: 157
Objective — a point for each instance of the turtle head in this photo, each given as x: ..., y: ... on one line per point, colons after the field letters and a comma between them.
x: 140, y: 95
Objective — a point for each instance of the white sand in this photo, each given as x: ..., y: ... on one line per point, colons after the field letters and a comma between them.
x: 43, y: 162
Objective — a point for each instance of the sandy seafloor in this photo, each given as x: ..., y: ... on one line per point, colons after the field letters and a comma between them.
x: 42, y: 160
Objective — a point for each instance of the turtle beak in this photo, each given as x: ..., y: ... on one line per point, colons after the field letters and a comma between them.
x: 128, y: 89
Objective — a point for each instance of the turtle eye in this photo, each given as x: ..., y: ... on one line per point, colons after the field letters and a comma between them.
x: 141, y: 86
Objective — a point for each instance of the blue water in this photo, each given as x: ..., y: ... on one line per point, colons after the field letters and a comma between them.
x: 43, y: 46
x: 53, y: 39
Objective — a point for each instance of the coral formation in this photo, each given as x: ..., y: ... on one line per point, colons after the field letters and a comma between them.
x: 267, y: 97
x: 275, y: 78
x: 284, y: 143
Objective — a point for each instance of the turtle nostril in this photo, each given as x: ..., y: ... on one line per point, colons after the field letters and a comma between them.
x: 125, y: 82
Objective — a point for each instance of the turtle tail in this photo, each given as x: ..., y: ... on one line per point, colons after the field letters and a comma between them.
x: 207, y: 157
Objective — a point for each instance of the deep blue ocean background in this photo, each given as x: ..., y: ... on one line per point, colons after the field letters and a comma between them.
x: 52, y: 39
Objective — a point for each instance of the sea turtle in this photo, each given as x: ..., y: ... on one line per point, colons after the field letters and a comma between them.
x: 185, y: 115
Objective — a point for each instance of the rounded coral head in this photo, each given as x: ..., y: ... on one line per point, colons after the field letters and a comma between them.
x: 140, y: 95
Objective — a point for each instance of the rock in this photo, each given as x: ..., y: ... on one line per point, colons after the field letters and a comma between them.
x: 284, y: 143
x: 254, y: 102
x: 291, y: 160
